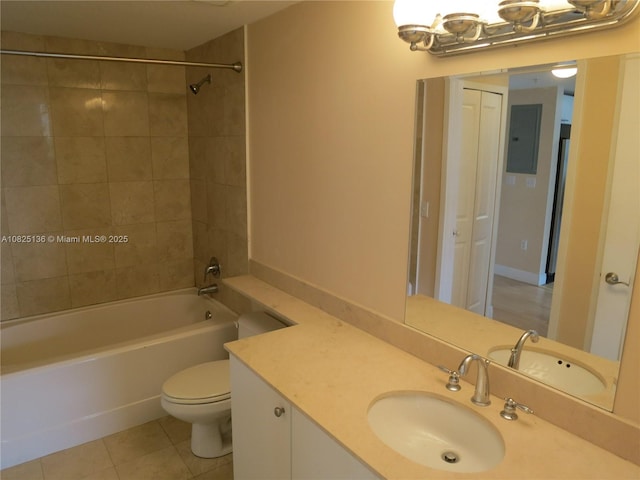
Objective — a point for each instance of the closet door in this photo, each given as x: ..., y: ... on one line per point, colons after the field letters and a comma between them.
x: 481, y: 134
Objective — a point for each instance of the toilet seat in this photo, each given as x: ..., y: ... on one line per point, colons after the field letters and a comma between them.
x: 204, y: 383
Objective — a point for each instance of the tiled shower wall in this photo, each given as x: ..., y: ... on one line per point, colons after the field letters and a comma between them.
x: 92, y: 149
x: 218, y: 159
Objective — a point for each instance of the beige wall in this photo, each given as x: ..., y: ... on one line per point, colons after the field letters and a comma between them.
x: 92, y: 148
x: 524, y: 211
x: 331, y: 117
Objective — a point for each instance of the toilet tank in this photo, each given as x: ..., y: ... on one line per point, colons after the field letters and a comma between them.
x: 255, y: 323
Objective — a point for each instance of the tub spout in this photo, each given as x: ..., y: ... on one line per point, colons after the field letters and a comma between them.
x: 210, y: 289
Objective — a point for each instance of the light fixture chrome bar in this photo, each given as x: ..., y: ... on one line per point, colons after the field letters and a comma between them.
x: 542, y: 25
x: 237, y: 66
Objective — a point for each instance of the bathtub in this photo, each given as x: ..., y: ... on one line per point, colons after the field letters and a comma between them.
x: 76, y: 376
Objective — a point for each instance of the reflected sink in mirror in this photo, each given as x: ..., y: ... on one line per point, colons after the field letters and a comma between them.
x: 436, y: 432
x: 554, y: 370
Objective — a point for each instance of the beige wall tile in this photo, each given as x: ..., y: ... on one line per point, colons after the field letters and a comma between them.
x: 128, y: 159
x: 166, y: 79
x: 81, y: 160
x: 72, y: 45
x: 34, y: 261
x: 132, y: 202
x: 25, y: 111
x: 216, y: 153
x: 197, y: 156
x: 167, y: 114
x: 123, y: 76
x: 177, y: 274
x: 237, y: 260
x: 93, y: 287
x: 234, y: 115
x: 76, y: 112
x: 138, y: 280
x: 172, y: 199
x: 175, y: 240
x: 199, y: 200
x: 28, y: 161
x: 33, y: 209
x: 85, y: 206
x: 6, y: 264
x: 236, y: 210
x: 73, y: 73
x: 141, y: 247
x: 85, y: 256
x: 126, y: 114
x: 170, y: 156
x: 45, y: 295
x: 21, y: 41
x: 216, y: 205
x: 9, y: 307
x: 19, y: 70
x: 201, y: 243
x: 235, y: 168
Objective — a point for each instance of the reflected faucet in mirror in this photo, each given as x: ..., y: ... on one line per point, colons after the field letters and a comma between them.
x: 516, y: 351
x: 578, y: 177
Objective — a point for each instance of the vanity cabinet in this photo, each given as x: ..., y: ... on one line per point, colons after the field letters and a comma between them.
x: 273, y: 440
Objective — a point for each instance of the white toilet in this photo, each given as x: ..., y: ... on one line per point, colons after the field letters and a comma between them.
x: 201, y: 394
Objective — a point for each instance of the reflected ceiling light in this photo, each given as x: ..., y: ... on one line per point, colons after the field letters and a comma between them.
x: 564, y: 72
x: 456, y: 26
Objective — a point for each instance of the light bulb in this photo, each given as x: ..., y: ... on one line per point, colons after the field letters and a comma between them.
x: 413, y: 12
x: 564, y: 72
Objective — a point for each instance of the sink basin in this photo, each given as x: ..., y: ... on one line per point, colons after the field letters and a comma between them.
x: 554, y: 370
x: 436, y: 432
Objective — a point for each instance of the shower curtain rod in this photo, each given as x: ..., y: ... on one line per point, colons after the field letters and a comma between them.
x: 237, y: 66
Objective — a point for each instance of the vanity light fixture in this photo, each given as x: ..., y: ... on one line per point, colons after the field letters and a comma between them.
x: 447, y: 27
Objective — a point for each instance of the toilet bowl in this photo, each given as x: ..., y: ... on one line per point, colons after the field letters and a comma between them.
x: 201, y: 395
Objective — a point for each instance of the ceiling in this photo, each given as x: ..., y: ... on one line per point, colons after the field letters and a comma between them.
x: 180, y: 25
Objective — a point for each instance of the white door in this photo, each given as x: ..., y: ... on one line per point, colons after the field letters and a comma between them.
x: 623, y: 222
x: 482, y: 120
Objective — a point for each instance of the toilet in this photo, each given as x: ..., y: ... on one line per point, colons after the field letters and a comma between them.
x: 201, y: 395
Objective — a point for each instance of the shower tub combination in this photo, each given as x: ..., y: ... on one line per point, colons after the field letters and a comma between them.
x: 76, y: 376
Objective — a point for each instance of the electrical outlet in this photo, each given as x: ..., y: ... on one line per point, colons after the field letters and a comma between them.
x: 523, y: 245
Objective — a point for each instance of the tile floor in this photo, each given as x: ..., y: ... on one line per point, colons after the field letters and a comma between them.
x: 158, y: 450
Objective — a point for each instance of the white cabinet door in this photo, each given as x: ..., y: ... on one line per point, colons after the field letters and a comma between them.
x: 317, y: 456
x: 261, y: 438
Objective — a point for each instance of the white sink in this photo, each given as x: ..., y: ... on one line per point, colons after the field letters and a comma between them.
x: 436, y: 432
x: 554, y: 370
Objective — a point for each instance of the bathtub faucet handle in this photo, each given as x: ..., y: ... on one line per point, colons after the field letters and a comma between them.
x: 213, y: 268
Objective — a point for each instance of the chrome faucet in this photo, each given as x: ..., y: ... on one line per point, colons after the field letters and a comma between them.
x: 214, y: 269
x: 516, y: 351
x: 209, y: 289
x: 481, y: 394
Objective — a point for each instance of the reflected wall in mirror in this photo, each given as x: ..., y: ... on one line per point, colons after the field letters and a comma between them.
x: 530, y: 251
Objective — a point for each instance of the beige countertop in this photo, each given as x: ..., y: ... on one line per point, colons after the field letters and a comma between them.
x: 332, y: 372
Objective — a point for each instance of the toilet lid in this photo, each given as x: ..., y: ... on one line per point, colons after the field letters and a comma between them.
x: 203, y: 383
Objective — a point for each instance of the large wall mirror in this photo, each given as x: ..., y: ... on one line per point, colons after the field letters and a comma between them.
x: 550, y: 245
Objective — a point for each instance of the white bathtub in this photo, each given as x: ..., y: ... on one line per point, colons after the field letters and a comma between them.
x: 75, y: 376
